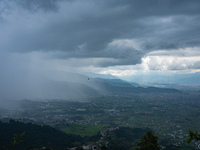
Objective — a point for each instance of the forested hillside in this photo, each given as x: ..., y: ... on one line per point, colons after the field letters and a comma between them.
x: 35, y: 136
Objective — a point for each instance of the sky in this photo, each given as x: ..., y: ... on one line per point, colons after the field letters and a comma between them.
x: 117, y: 37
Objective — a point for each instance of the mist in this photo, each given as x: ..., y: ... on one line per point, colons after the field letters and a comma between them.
x: 25, y: 76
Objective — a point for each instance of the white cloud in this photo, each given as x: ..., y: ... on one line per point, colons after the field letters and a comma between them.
x: 118, y: 73
x: 171, y: 60
x: 195, y: 71
x: 186, y: 60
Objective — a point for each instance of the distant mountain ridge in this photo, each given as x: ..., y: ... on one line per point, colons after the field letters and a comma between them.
x: 63, y: 85
x: 83, y: 86
x: 113, y: 86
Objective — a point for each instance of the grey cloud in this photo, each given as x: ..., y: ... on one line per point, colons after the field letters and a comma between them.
x: 35, y: 5
x: 196, y: 65
x: 159, y: 45
x: 84, y: 29
x: 179, y: 66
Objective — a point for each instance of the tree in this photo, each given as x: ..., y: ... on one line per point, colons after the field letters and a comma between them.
x: 17, y: 139
x: 193, y: 136
x: 148, y: 142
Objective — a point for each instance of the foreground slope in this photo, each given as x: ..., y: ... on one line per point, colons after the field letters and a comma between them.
x: 36, y: 136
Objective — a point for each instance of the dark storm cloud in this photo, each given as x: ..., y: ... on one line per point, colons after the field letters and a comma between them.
x: 35, y: 5
x: 85, y: 28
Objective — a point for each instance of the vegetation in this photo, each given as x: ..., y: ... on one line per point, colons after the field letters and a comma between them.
x: 82, y: 130
x: 17, y: 139
x: 193, y: 136
x: 16, y: 135
x: 36, y: 136
x: 124, y: 138
x: 148, y: 142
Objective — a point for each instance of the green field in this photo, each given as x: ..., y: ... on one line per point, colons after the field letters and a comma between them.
x: 82, y: 130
